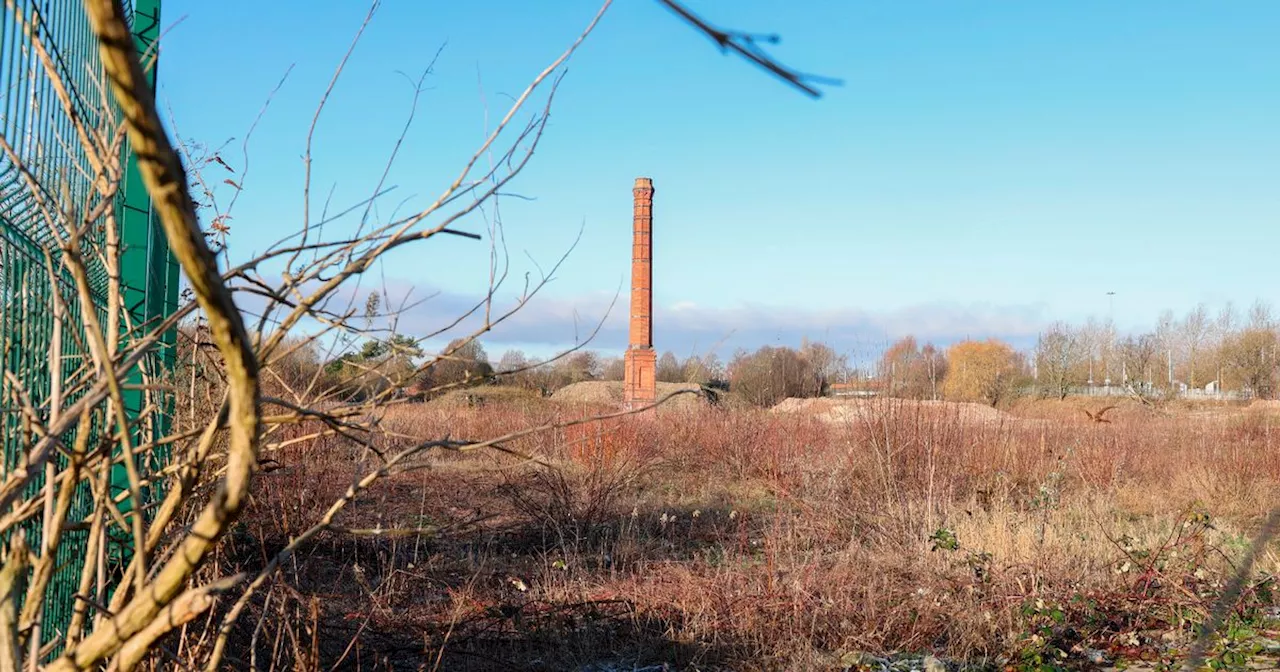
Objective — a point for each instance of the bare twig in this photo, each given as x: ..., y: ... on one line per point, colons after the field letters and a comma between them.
x: 745, y: 45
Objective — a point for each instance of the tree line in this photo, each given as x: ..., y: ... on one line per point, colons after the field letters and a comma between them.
x: 1225, y: 350
x: 764, y: 376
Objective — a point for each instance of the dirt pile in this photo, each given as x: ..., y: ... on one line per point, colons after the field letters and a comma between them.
x: 590, y: 392
x: 486, y: 395
x: 851, y: 410
x: 609, y: 392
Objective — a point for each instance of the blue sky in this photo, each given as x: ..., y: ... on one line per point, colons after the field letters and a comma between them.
x: 986, y: 167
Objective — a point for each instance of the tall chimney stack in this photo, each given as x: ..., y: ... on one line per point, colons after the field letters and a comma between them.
x: 640, y: 362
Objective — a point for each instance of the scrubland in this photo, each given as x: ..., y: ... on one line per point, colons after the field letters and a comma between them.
x: 796, y: 538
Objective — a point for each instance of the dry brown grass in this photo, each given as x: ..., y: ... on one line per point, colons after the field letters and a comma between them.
x: 762, y: 540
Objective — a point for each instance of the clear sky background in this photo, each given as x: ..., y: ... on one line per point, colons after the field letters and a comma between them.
x: 987, y: 166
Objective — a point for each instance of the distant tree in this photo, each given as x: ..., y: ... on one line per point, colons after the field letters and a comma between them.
x: 935, y: 368
x: 576, y: 367
x: 537, y: 377
x: 372, y: 349
x: 1224, y: 325
x: 986, y: 371
x: 378, y: 365
x: 512, y: 369
x: 1195, y: 330
x: 297, y: 371
x: 911, y: 372
x: 702, y: 370
x: 405, y: 346
x: 1168, y: 344
x: 1060, y: 354
x: 613, y: 368
x: 821, y: 365
x: 669, y: 370
x: 1249, y: 359
x: 335, y: 366
x: 895, y: 365
x: 1261, y: 315
x: 1227, y: 321
x: 512, y: 360
x: 772, y: 374
x: 469, y: 350
x: 1139, y: 358
x: 461, y: 363
x: 398, y: 344
x: 1096, y: 339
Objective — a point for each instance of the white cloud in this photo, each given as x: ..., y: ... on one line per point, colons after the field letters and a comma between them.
x: 684, y: 326
x: 552, y: 321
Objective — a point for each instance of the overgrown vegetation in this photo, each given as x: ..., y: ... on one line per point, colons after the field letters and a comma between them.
x: 752, y: 540
x: 323, y: 509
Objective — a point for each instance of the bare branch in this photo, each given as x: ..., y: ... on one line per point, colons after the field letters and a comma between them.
x: 745, y: 45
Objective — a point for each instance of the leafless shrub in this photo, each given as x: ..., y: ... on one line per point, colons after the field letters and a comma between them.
x: 575, y: 497
x: 252, y: 376
x: 248, y: 371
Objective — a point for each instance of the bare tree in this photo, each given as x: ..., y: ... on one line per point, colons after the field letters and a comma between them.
x: 613, y: 368
x: 466, y: 364
x: 1097, y: 339
x: 767, y: 375
x: 912, y: 372
x: 702, y: 370
x: 936, y: 367
x: 1167, y: 341
x: 1195, y: 329
x: 771, y: 374
x: 822, y: 364
x: 1249, y: 359
x: 511, y: 366
x: 1059, y: 355
x: 1261, y: 316
x: 669, y: 369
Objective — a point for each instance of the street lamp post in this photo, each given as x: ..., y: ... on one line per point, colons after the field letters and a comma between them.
x: 1111, y: 328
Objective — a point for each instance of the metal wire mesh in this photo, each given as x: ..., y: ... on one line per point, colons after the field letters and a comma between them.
x: 52, y: 167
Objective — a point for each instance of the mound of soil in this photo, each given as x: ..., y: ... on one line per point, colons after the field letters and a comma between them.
x: 845, y: 410
x: 609, y: 392
x: 486, y: 395
x: 590, y: 392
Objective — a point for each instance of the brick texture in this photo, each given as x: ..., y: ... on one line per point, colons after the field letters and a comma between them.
x: 640, y: 362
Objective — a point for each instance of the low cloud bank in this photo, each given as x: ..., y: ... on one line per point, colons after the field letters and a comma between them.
x: 550, y: 322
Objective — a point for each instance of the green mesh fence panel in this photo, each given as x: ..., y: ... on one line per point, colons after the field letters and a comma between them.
x: 34, y: 122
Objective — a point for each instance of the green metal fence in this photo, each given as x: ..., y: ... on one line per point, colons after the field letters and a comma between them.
x: 43, y: 357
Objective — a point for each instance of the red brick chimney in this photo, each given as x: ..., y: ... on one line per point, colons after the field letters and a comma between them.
x: 640, y: 384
